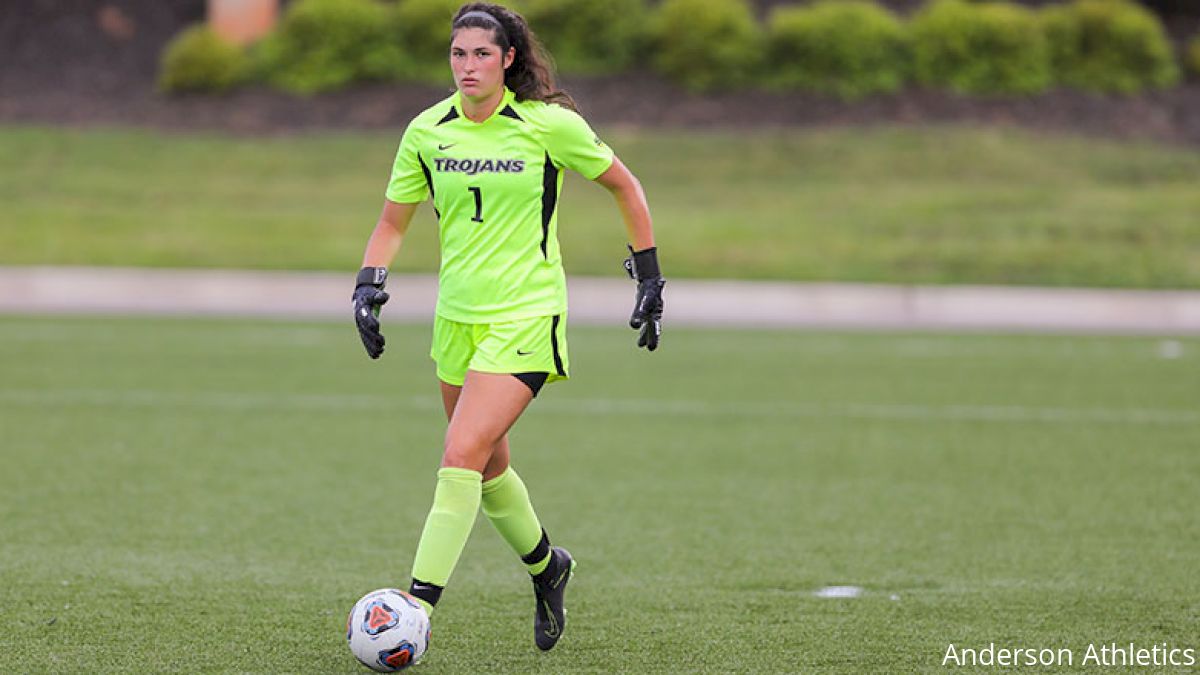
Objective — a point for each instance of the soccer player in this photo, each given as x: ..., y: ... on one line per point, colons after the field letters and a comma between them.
x: 491, y: 156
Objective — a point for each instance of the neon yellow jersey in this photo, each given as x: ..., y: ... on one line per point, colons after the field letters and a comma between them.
x: 495, y: 188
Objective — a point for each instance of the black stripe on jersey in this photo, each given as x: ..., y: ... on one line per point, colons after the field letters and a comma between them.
x: 549, y: 198
x: 452, y: 115
x: 558, y: 364
x: 509, y: 112
x: 429, y: 180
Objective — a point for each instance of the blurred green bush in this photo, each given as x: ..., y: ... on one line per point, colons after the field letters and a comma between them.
x: 589, y: 37
x: 325, y: 44
x: 851, y: 48
x: 980, y: 48
x: 847, y: 47
x: 1109, y: 45
x: 424, y: 30
x: 198, y: 60
x: 707, y: 44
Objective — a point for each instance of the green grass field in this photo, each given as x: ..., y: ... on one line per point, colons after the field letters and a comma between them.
x: 904, y: 205
x: 212, y: 496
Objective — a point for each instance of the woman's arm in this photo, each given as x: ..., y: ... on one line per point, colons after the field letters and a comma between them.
x: 388, y: 234
x: 631, y: 200
x: 643, y: 264
x: 369, y: 295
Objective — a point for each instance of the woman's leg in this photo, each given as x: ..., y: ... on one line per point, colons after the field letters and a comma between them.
x: 485, y: 409
x: 506, y: 500
x: 506, y: 504
x: 499, y: 461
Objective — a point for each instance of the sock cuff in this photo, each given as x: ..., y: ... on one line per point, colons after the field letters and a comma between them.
x: 539, y: 552
x: 457, y: 474
x: 426, y: 591
x: 499, y: 481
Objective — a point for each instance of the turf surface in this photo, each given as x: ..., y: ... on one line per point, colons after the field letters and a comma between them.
x: 212, y: 496
x: 903, y: 205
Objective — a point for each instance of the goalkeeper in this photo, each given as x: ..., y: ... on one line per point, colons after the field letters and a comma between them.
x: 491, y: 157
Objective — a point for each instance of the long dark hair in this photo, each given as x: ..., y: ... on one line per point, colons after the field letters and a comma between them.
x: 531, y: 75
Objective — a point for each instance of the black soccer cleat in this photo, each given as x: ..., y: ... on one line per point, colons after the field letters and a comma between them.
x: 549, y: 587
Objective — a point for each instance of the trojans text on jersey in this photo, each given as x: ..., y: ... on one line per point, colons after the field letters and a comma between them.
x: 474, y: 166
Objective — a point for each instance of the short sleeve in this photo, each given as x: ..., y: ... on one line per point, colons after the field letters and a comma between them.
x: 573, y: 144
x: 408, y: 184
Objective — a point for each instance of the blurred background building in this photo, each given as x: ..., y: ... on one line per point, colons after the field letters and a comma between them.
x: 242, y: 21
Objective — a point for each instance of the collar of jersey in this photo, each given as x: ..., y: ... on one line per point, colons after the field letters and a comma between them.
x: 508, y: 98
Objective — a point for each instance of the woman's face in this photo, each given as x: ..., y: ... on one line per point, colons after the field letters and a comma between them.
x: 478, y: 63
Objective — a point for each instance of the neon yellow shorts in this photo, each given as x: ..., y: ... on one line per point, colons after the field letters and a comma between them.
x: 537, y: 345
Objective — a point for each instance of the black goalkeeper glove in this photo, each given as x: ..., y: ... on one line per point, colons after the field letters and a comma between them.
x: 368, y: 297
x: 642, y: 267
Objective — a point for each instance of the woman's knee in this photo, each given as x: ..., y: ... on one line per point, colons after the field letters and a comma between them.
x: 467, y: 450
x: 498, y: 462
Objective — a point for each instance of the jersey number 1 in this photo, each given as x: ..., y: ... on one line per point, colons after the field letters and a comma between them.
x: 478, y: 204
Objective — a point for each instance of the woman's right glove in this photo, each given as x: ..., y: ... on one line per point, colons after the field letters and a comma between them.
x: 642, y: 267
x: 368, y: 297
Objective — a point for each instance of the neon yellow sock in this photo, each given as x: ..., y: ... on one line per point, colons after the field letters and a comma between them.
x: 455, y: 503
x: 428, y: 607
x: 506, y: 503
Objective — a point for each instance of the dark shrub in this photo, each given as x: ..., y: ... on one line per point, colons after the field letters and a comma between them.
x: 707, y: 44
x: 984, y: 48
x: 198, y: 60
x: 325, y: 44
x: 1109, y: 45
x: 587, y: 36
x: 850, y: 48
x: 425, y: 30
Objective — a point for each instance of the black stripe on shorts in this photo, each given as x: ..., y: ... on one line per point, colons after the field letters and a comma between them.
x: 558, y: 364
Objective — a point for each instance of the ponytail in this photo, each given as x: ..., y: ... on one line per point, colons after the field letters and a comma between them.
x: 531, y: 75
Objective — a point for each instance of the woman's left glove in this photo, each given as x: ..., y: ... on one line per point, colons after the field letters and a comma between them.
x: 368, y: 297
x: 642, y: 266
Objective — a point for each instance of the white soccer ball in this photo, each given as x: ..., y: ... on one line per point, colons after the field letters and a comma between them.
x: 388, y: 630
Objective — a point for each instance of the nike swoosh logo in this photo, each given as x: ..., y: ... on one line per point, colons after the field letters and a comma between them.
x: 446, y: 147
x: 559, y: 580
x: 551, y: 630
x: 521, y: 353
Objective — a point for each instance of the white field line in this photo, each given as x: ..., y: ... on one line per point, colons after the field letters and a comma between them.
x: 243, y: 401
